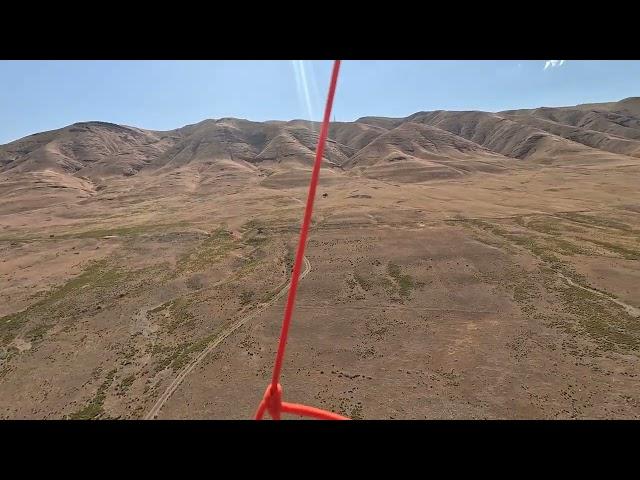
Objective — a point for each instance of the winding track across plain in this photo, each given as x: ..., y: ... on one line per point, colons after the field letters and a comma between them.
x: 173, y: 386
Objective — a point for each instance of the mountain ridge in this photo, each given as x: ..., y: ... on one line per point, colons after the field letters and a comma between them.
x: 431, y: 144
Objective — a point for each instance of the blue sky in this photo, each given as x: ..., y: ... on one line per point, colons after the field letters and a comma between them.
x: 162, y: 95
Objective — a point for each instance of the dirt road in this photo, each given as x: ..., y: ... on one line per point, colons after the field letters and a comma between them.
x: 153, y: 413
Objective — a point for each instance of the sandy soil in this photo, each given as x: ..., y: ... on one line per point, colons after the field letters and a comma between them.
x: 442, y: 299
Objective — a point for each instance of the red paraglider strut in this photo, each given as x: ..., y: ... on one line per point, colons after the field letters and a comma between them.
x: 272, y: 400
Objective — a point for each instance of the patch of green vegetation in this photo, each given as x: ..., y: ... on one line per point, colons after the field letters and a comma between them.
x: 483, y: 225
x: 477, y: 224
x: 128, y: 353
x: 406, y: 285
x: 289, y: 259
x: 194, y: 283
x: 377, y: 330
x: 550, y: 227
x: 385, y: 283
x: 182, y: 359
x: 256, y: 240
x: 345, y: 406
x: 255, y: 233
x: 585, y: 311
x: 404, y: 282
x: 364, y: 284
x: 246, y: 297
x: 252, y: 262
x: 268, y: 296
x: 180, y: 315
x: 487, y: 240
x: 452, y: 377
x: 565, y: 247
x: 521, y: 220
x: 356, y: 412
x: 610, y: 326
x: 546, y: 252
x: 91, y: 411
x: 125, y: 231
x: 179, y: 356
x: 534, y: 247
x: 126, y: 383
x: 4, y: 370
x: 596, y: 221
x: 542, y: 224
x: 523, y: 292
x: 393, y: 270
x: 9, y: 324
x: 97, y: 275
x: 94, y: 409
x: 159, y: 308
x: 211, y: 250
x: 169, y: 354
x: 160, y: 349
x: 37, y: 333
x: 627, y: 253
x: 527, y: 242
x: 17, y: 239
x: 252, y: 224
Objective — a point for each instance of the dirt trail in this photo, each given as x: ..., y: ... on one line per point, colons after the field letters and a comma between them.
x: 631, y: 310
x: 173, y: 386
